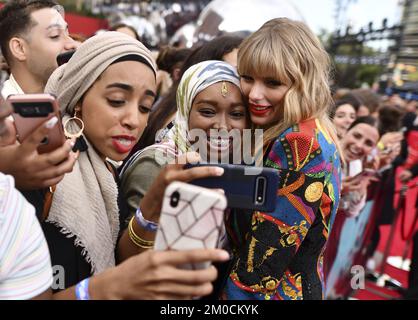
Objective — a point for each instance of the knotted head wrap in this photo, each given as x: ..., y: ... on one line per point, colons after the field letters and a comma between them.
x: 71, y: 81
x: 196, y: 79
x: 85, y: 203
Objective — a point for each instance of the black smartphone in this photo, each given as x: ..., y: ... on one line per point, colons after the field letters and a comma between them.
x: 245, y: 187
x: 64, y: 57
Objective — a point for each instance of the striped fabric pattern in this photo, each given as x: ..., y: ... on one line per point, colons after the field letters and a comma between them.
x: 25, y: 265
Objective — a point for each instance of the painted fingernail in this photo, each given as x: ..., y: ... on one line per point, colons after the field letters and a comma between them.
x: 224, y: 255
x: 51, y: 123
x: 219, y: 171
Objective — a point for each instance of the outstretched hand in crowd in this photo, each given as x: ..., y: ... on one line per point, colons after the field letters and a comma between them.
x: 30, y: 169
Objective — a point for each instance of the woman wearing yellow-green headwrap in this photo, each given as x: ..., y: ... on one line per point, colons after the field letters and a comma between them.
x: 210, y: 106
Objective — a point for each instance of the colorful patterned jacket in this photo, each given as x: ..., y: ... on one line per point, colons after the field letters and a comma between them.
x: 281, y: 256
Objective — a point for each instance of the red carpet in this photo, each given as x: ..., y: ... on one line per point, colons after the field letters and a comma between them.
x: 398, y: 244
x: 374, y: 292
x: 397, y: 248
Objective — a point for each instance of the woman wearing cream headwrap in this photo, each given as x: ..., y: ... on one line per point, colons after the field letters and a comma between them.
x: 99, y: 86
x: 109, y: 87
x: 208, y: 97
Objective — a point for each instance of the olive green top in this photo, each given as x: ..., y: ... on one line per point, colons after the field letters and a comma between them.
x: 139, y: 176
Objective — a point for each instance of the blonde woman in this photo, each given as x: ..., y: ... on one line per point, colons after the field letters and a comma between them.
x: 284, y: 76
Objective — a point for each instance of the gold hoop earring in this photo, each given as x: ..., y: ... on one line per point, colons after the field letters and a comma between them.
x: 68, y: 133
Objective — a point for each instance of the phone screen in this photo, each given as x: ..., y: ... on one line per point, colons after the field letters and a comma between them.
x: 64, y: 57
x: 33, y: 109
x: 368, y: 173
x: 245, y: 191
x: 30, y: 112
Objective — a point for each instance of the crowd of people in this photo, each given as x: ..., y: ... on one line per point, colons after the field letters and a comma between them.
x: 92, y: 205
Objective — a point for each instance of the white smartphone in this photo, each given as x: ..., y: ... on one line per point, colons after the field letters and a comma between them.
x: 192, y: 217
x: 355, y: 167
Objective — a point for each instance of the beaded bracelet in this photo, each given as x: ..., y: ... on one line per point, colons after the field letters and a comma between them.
x: 138, y: 241
x: 82, y: 290
x: 144, y: 223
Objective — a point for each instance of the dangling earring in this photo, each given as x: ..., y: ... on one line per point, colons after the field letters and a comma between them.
x: 69, y: 123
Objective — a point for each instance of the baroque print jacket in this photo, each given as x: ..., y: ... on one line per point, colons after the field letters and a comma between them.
x: 280, y: 255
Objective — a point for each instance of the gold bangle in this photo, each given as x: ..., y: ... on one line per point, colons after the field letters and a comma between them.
x: 138, y: 241
x: 136, y: 238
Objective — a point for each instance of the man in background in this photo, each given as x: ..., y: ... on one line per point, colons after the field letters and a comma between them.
x: 32, y: 35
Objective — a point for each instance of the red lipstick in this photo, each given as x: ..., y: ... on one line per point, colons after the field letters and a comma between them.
x: 123, y: 144
x: 259, y: 110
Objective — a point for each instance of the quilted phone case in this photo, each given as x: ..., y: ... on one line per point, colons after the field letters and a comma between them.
x: 191, y: 218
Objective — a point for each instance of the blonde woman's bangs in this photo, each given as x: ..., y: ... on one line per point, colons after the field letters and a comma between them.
x: 254, y: 58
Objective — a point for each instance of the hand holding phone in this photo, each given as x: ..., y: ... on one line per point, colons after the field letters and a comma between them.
x: 360, y: 181
x: 151, y: 204
x: 367, y: 173
x: 191, y: 218
x: 32, y: 170
x: 32, y: 110
x: 245, y: 187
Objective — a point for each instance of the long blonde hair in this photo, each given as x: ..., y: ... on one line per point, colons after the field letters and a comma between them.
x: 289, y: 52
